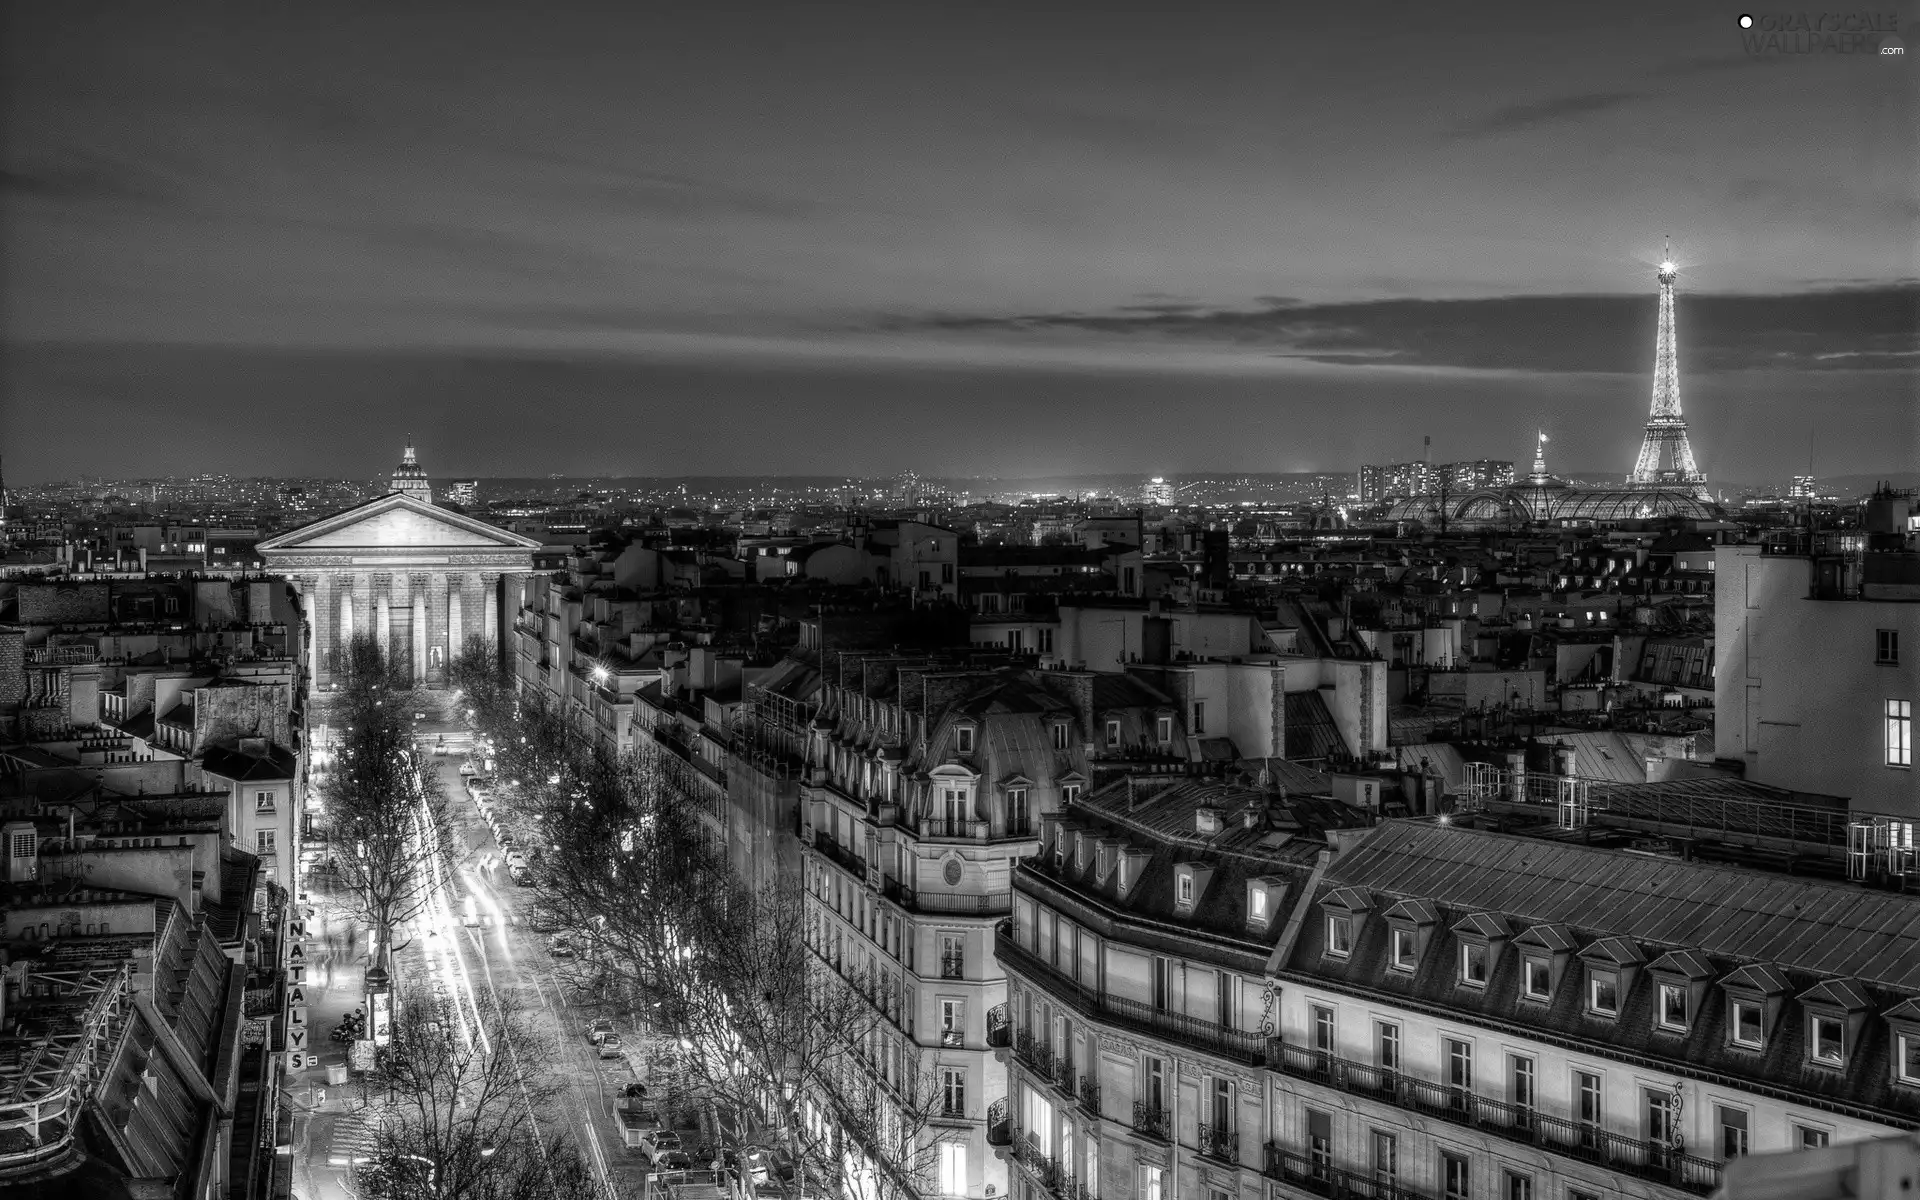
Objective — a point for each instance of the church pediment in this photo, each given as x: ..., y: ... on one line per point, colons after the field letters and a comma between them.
x: 396, y: 522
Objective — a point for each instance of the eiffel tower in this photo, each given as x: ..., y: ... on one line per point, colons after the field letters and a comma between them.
x: 1666, y: 457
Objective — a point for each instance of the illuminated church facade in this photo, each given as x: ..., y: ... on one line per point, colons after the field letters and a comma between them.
x: 419, y: 578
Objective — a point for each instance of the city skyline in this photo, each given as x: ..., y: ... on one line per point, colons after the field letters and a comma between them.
x: 1246, y: 242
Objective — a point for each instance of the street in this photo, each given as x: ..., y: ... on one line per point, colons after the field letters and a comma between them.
x: 503, y: 958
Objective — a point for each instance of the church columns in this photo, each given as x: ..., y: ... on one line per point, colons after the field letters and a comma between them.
x: 456, y: 636
x: 382, y: 618
x: 417, y: 589
x: 310, y: 612
x: 439, y: 653
x: 490, y: 603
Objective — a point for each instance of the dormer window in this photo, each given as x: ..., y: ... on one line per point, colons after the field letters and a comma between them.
x: 1744, y: 1028
x: 1827, y: 1039
x: 963, y: 739
x: 1059, y: 735
x: 1183, y: 889
x: 1113, y: 735
x: 1263, y: 901
x: 1473, y: 964
x: 1163, y: 730
x: 1409, y: 924
x: 1603, y: 992
x: 1257, y: 905
x: 1403, y: 955
x: 1536, y: 979
x: 1339, y: 935
x: 1903, y: 1021
x: 1672, y: 1013
x: 1069, y: 792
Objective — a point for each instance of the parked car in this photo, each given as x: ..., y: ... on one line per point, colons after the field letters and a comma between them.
x: 599, y: 1029
x: 610, y: 1047
x: 656, y: 1142
x: 560, y: 947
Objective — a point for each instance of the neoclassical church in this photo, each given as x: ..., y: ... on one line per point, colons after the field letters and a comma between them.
x: 421, y: 578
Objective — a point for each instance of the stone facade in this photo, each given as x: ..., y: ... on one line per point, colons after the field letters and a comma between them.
x: 421, y: 579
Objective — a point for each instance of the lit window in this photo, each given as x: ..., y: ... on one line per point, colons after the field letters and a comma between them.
x: 1069, y: 792
x: 1827, y: 1040
x: 1185, y: 887
x: 1473, y: 964
x: 1257, y: 904
x: 1603, y: 994
x: 1673, y: 1006
x: 1404, y: 950
x: 1339, y: 936
x: 1744, y: 1024
x: 1900, y: 733
x: 1536, y: 980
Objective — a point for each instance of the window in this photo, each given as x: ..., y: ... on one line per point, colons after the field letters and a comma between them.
x: 263, y: 841
x: 1536, y: 980
x: 1811, y: 1138
x: 1587, y: 1099
x: 1473, y: 964
x: 953, y: 956
x: 1060, y: 736
x: 1322, y: 1028
x: 1456, y: 1176
x: 1319, y: 1143
x: 1163, y: 984
x: 1339, y: 936
x: 1520, y: 1081
x: 1404, y: 952
x: 1257, y: 904
x: 963, y: 740
x: 1069, y: 792
x: 1163, y: 729
x: 1519, y: 1187
x: 1603, y: 995
x: 1906, y: 1059
x: 1046, y: 641
x: 1199, y: 718
x: 953, y: 1169
x: 1743, y: 1023
x: 953, y: 1092
x: 1157, y: 1084
x: 1389, y: 1041
x: 1827, y: 1040
x: 1900, y: 733
x: 263, y: 802
x: 1459, y: 1063
x: 1660, y: 1127
x: 1673, y: 1006
x: 1223, y: 1000
x: 1886, y: 646
x: 1113, y: 734
x: 1733, y: 1131
x: 953, y: 1022
x: 946, y: 572
x: 1184, y: 889
x: 1150, y: 1184
x: 24, y: 845
x: 1385, y: 1158
x: 1016, y: 810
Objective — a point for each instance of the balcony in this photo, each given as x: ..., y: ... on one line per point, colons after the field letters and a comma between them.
x: 1044, y: 1167
x: 1152, y: 1122
x: 1219, y: 1143
x: 1322, y: 1178
x: 999, y: 1128
x: 991, y: 904
x: 999, y: 1027
x: 1090, y: 1095
x: 942, y: 827
x: 1035, y: 1054
x: 834, y: 852
x: 1670, y: 1165
x: 1242, y: 1046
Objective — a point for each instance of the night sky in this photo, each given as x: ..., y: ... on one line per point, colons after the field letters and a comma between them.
x: 812, y: 238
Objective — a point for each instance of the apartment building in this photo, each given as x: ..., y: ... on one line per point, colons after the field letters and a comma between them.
x: 1430, y: 1010
x: 925, y: 786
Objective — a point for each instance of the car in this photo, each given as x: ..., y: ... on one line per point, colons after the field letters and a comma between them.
x: 560, y: 947
x: 674, y: 1160
x: 655, y: 1142
x: 466, y: 768
x: 599, y: 1029
x: 610, y: 1047
x: 470, y: 914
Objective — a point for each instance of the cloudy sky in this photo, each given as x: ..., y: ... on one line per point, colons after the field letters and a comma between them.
x: 1040, y: 237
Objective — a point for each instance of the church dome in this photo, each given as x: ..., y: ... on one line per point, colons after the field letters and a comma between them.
x: 410, y: 478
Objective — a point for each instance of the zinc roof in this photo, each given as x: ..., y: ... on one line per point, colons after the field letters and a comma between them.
x: 1828, y: 928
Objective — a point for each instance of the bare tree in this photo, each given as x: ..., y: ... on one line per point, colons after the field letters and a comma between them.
x: 385, y: 810
x: 461, y: 1124
x: 768, y: 1020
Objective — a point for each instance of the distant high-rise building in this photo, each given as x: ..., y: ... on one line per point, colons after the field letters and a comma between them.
x: 1372, y: 482
x: 1415, y: 478
x: 1478, y: 475
x: 1158, y: 491
x: 462, y: 491
x: 1802, y: 488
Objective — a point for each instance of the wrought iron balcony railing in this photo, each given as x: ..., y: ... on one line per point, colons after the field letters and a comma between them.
x: 1318, y: 1175
x: 1151, y: 1121
x: 1034, y: 1053
x: 1090, y: 1094
x: 1662, y: 1162
x: 1219, y: 1142
x: 999, y: 1127
x: 999, y: 1027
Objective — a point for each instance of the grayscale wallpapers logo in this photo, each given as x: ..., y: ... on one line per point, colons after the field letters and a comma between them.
x: 1780, y: 33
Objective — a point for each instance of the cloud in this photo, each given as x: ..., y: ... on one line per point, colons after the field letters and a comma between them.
x: 1838, y: 329
x: 1517, y: 117
x: 70, y: 175
x: 665, y: 193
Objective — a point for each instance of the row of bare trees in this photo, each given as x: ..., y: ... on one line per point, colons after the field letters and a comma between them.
x: 764, y: 1024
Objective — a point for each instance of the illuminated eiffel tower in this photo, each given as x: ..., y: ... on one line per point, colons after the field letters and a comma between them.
x: 1666, y: 457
